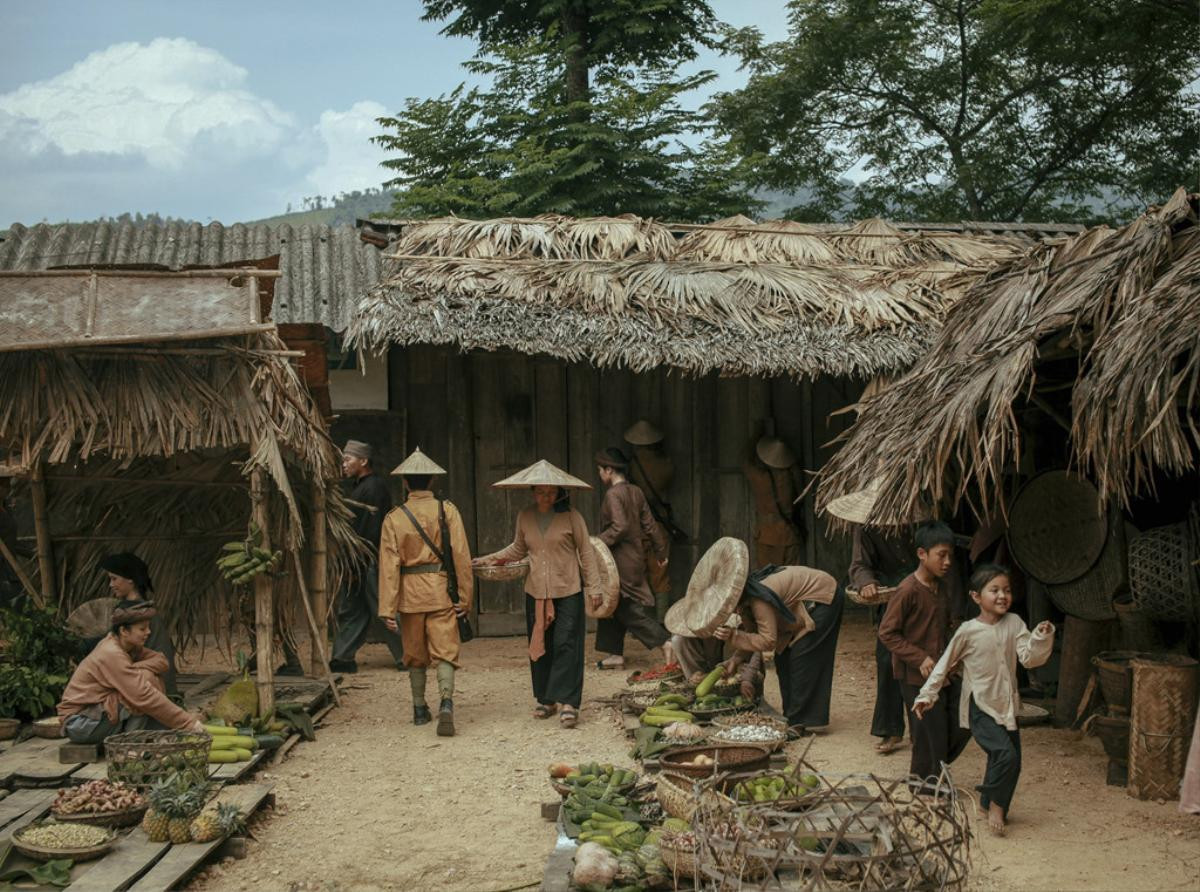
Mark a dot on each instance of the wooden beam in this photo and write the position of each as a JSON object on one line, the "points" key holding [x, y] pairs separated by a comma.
{"points": [[21, 574], [141, 481], [318, 642], [226, 273], [318, 572], [41, 528], [264, 598]]}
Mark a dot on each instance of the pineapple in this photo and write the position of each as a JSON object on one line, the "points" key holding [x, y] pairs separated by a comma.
{"points": [[156, 821], [183, 807], [216, 824]]}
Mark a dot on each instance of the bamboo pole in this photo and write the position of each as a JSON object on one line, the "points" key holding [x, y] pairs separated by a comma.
{"points": [[26, 582], [264, 599], [41, 527], [318, 640], [318, 576]]}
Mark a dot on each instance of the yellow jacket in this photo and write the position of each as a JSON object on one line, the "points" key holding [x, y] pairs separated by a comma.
{"points": [[400, 545]]}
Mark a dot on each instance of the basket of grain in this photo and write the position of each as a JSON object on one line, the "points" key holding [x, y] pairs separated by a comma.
{"points": [[51, 841]]}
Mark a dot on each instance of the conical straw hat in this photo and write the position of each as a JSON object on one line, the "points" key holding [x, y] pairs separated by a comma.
{"points": [[418, 464], [713, 591], [93, 618], [774, 453], [541, 473], [643, 433], [610, 581], [855, 507]]}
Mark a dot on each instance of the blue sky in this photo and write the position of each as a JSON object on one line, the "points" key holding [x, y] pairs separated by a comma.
{"points": [[220, 110]]}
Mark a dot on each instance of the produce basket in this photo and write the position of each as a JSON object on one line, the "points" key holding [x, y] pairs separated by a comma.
{"points": [[709, 715], [772, 736], [679, 858], [502, 572], [651, 678], [750, 718], [49, 728], [636, 702], [9, 728], [141, 758], [125, 818], [678, 796], [724, 758], [800, 785], [1116, 675], [883, 594], [45, 853]]}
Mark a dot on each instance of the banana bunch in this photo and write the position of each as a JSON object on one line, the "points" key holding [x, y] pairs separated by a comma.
{"points": [[242, 561]]}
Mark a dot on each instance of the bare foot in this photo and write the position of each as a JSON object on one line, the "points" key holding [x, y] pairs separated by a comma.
{"points": [[995, 819]]}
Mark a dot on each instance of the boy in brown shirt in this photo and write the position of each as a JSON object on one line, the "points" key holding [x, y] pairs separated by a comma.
{"points": [[915, 628]]}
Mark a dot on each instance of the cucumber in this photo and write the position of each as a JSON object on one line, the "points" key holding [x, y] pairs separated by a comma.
{"points": [[243, 755], [710, 681], [611, 810], [268, 741], [215, 756], [218, 729]]}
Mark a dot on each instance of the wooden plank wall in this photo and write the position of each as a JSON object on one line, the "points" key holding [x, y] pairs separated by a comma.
{"points": [[485, 415]]}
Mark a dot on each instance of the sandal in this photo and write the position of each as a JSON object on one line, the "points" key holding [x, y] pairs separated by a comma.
{"points": [[889, 745], [569, 717], [544, 710], [601, 664]]}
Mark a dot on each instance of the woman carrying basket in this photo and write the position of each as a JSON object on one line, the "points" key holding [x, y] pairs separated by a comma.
{"points": [[562, 568]]}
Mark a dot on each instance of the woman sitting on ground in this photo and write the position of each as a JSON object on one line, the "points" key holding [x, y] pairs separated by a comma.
{"points": [[119, 687], [129, 582]]}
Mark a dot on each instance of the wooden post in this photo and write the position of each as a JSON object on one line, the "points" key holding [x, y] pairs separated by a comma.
{"points": [[26, 582], [318, 578], [41, 528], [318, 640], [264, 598]]}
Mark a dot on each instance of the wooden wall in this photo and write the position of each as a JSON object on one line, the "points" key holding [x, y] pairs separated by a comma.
{"points": [[483, 416]]}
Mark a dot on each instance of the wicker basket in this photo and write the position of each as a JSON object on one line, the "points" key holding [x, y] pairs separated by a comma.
{"points": [[681, 862], [1091, 595], [883, 594], [771, 745], [141, 758], [679, 799], [1161, 577], [1113, 731], [9, 728], [1160, 726], [502, 572], [124, 818], [725, 758], [1116, 676], [41, 853], [1056, 530], [49, 728]]}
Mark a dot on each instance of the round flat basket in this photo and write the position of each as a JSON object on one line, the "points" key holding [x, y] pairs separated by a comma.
{"points": [[125, 818], [502, 572], [883, 594], [610, 582], [9, 728], [49, 728], [45, 853], [724, 758], [1057, 528], [1161, 577], [1091, 596], [644, 681], [141, 758], [1030, 714]]}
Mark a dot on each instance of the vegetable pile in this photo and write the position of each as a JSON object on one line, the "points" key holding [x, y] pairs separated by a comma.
{"points": [[771, 789], [239, 744], [96, 797], [667, 710]]}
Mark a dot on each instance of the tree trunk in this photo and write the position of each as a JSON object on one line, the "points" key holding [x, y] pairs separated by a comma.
{"points": [[575, 40]]}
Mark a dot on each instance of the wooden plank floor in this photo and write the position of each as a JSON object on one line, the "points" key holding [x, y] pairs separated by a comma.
{"points": [[34, 762], [182, 860]]}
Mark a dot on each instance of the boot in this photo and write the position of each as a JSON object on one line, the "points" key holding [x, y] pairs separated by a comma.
{"points": [[445, 727], [422, 715]]}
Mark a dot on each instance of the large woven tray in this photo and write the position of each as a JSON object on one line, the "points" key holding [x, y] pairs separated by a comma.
{"points": [[1057, 528], [41, 853], [502, 572], [739, 756], [126, 817]]}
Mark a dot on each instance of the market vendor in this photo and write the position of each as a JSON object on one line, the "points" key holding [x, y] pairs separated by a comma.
{"points": [[119, 685], [129, 581], [562, 572]]}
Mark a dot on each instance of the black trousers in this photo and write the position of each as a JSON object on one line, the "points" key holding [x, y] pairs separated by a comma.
{"points": [[358, 610], [638, 620], [937, 737], [888, 718], [1003, 748], [805, 668], [558, 674]]}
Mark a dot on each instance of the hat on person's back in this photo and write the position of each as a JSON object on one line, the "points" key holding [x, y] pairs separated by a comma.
{"points": [[132, 612], [612, 457], [774, 453], [358, 449], [128, 566], [713, 591]]}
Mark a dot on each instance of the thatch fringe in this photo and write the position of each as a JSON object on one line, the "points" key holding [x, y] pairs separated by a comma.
{"points": [[1127, 301], [124, 422]]}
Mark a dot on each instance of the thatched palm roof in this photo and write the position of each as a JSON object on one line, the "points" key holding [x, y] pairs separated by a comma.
{"points": [[739, 297], [146, 447], [1124, 303]]}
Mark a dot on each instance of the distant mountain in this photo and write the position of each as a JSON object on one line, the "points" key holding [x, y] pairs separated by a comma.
{"points": [[340, 209]]}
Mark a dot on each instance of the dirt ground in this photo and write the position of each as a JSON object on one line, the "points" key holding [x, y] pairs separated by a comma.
{"points": [[378, 804]]}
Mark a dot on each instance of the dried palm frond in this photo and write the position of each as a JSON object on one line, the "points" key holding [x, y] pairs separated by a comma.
{"points": [[1126, 301]]}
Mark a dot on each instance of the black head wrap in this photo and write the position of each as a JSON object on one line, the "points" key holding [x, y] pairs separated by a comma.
{"points": [[131, 567]]}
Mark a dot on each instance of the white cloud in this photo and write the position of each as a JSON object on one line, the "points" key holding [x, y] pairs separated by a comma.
{"points": [[159, 100], [352, 160]]}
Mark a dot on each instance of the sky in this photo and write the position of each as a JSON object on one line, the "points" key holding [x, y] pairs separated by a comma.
{"points": [[220, 110]]}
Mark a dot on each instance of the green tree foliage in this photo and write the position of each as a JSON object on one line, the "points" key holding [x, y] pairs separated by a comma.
{"points": [[521, 147], [981, 109]]}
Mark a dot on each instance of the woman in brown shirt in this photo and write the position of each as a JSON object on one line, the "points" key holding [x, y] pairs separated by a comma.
{"points": [[562, 567]]}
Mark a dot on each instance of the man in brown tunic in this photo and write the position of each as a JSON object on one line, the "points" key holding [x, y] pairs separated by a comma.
{"points": [[775, 483], [652, 471], [626, 525], [413, 586]]}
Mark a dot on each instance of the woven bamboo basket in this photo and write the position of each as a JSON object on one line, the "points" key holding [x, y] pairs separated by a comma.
{"points": [[740, 757], [142, 758], [1091, 595], [9, 728], [48, 728], [1160, 726], [680, 861], [1056, 532], [678, 796], [43, 853], [1161, 577], [1116, 675], [883, 594], [125, 818], [1113, 731], [502, 572]]}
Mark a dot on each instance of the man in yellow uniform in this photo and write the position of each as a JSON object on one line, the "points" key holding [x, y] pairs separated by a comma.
{"points": [[415, 568]]}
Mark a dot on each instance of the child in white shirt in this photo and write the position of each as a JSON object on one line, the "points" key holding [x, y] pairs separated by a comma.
{"points": [[987, 648]]}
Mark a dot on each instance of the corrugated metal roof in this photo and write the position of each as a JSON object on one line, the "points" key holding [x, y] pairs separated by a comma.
{"points": [[326, 269]]}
